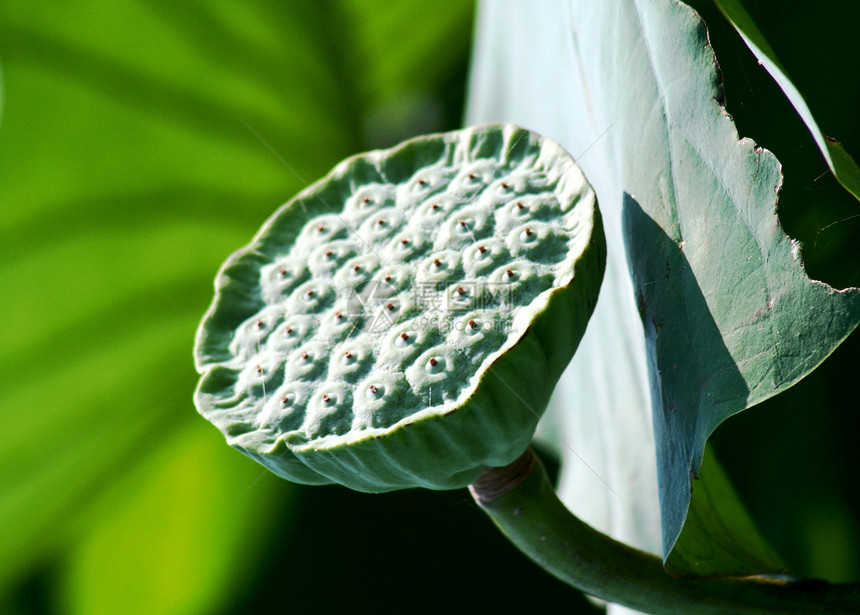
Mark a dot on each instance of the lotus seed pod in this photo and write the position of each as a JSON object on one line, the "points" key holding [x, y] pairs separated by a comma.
{"points": [[403, 321]]}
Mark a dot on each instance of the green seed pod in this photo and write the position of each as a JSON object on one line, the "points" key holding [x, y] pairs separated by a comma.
{"points": [[403, 321]]}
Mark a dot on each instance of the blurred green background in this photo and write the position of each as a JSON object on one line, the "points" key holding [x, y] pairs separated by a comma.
{"points": [[141, 142]]}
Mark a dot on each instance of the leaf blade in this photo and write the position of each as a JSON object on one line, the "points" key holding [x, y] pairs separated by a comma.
{"points": [[641, 82], [140, 145]]}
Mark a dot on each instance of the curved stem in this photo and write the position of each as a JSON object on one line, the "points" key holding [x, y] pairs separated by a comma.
{"points": [[523, 504]]}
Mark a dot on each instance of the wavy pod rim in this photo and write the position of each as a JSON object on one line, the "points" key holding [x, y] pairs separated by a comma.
{"points": [[493, 417]]}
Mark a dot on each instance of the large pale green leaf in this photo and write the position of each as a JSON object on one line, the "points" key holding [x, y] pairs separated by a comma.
{"points": [[728, 315], [139, 146]]}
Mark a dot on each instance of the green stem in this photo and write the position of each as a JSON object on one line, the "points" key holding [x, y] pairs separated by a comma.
{"points": [[523, 504]]}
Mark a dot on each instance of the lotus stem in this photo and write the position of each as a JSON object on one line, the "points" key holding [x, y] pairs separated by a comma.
{"points": [[522, 502]]}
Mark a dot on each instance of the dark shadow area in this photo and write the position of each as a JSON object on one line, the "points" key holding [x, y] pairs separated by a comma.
{"points": [[695, 383], [790, 459], [411, 552], [33, 595]]}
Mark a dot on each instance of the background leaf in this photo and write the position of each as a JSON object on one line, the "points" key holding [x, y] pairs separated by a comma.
{"points": [[171, 532], [125, 182], [636, 89]]}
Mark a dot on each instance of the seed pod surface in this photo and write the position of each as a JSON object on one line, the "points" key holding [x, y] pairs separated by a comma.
{"points": [[403, 321]]}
